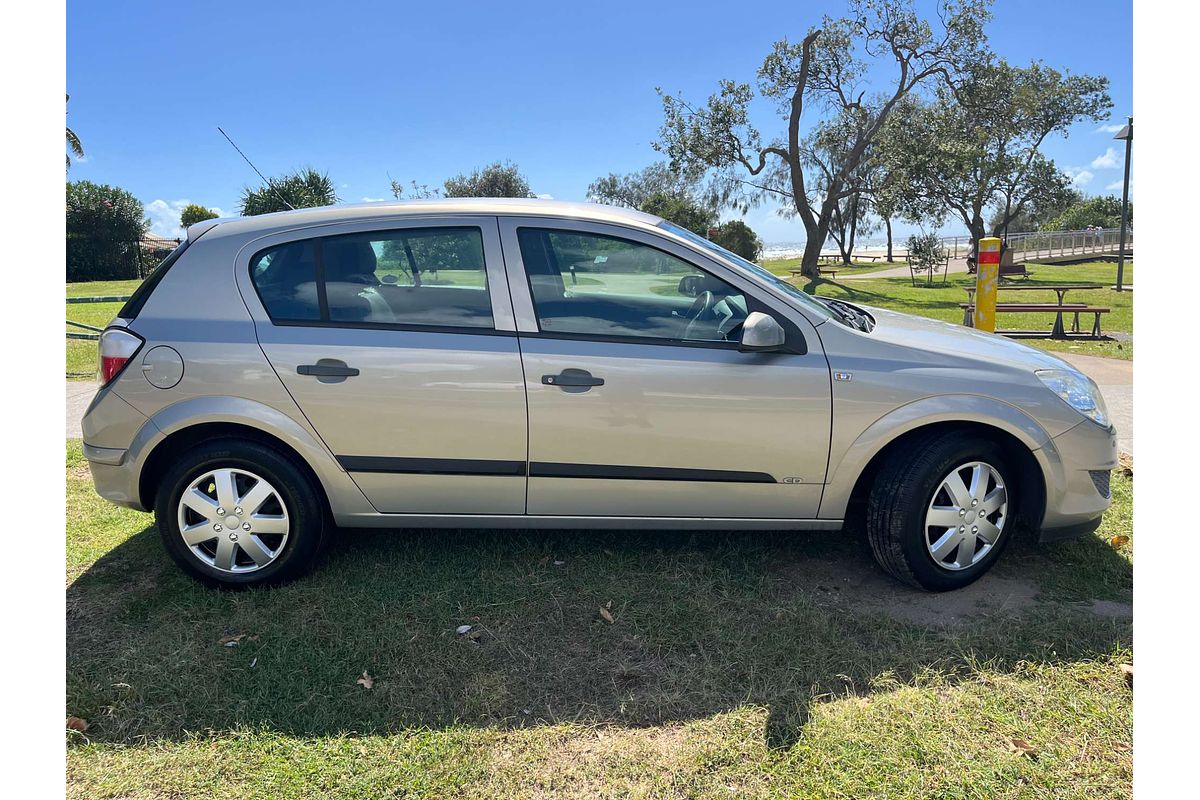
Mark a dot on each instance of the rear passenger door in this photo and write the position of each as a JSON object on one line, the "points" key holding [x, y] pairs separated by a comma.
{"points": [[397, 342]]}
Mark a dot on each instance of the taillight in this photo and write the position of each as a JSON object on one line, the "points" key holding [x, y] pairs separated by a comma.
{"points": [[117, 346]]}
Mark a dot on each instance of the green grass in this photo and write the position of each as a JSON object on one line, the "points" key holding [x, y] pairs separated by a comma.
{"points": [[81, 353], [740, 664], [942, 302]]}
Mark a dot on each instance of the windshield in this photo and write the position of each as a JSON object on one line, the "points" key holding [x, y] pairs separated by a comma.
{"points": [[765, 275]]}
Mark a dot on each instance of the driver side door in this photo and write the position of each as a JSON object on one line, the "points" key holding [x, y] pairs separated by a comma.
{"points": [[640, 402]]}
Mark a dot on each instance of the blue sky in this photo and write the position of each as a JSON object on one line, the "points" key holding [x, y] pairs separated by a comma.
{"points": [[424, 91]]}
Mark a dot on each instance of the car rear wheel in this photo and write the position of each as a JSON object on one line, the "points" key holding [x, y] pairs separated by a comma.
{"points": [[940, 513], [238, 513]]}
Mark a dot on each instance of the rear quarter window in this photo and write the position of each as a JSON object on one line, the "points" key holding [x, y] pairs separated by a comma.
{"points": [[133, 306]]}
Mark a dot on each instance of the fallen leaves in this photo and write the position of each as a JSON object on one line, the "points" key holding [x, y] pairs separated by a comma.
{"points": [[1022, 747], [1127, 671], [605, 614], [1120, 540], [366, 681], [234, 639], [1126, 464], [470, 633], [77, 724]]}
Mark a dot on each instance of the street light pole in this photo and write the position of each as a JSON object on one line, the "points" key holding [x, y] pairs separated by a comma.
{"points": [[1125, 133]]}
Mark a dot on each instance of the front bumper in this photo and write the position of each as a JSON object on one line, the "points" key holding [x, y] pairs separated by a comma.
{"points": [[1077, 489]]}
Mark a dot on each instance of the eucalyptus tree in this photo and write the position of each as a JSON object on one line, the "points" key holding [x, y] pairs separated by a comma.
{"points": [[836, 70], [978, 148]]}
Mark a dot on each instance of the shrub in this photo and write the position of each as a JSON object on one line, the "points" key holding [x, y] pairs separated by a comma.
{"points": [[105, 226], [194, 213], [925, 251]]}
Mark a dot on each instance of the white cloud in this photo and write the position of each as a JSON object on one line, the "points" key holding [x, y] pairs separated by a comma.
{"points": [[1107, 160], [545, 197], [164, 217], [1079, 177], [1113, 128], [345, 186], [373, 199]]}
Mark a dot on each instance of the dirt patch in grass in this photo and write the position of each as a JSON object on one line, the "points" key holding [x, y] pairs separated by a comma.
{"points": [[860, 586]]}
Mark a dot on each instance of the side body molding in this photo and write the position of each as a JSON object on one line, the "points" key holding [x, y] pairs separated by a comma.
{"points": [[847, 466], [344, 495]]}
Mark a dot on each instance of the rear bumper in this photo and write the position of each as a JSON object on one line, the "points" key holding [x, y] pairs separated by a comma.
{"points": [[115, 482]]}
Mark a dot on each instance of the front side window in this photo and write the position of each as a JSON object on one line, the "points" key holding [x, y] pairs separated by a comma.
{"points": [[591, 284], [429, 277]]}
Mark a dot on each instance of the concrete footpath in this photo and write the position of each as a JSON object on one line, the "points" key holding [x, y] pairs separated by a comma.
{"points": [[79, 394], [1113, 376], [957, 265], [1115, 379]]}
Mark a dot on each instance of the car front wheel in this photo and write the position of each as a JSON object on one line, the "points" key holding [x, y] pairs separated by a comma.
{"points": [[237, 513], [939, 517]]}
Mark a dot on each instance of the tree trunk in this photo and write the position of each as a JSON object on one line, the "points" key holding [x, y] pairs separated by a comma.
{"points": [[887, 221], [810, 263], [848, 255], [978, 231]]}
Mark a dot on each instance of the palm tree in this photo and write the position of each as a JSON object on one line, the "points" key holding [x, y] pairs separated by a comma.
{"points": [[73, 143]]}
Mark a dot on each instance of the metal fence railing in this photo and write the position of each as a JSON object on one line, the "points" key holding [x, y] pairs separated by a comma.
{"points": [[1027, 245], [1067, 243], [96, 258], [93, 333]]}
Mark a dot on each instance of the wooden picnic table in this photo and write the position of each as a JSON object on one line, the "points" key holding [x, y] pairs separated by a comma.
{"points": [[796, 273], [1060, 289]]}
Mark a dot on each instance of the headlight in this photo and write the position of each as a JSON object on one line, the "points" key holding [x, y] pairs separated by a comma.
{"points": [[1078, 391]]}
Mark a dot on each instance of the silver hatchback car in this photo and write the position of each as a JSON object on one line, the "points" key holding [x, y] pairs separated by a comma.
{"points": [[530, 363]]}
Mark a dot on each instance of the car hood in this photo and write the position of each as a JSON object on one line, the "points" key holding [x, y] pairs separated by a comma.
{"points": [[952, 341]]}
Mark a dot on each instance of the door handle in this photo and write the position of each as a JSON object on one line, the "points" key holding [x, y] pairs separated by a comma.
{"points": [[573, 379], [327, 368]]}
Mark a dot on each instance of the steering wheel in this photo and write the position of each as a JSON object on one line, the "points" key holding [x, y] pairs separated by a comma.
{"points": [[701, 311]]}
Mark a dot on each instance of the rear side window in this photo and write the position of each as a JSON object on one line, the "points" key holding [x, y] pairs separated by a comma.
{"points": [[430, 277], [133, 306], [286, 279]]}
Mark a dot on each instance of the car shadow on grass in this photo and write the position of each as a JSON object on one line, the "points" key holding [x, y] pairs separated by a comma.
{"points": [[701, 623]]}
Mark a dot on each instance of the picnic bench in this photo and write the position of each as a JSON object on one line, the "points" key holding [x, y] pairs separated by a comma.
{"points": [[1007, 268], [1058, 332], [822, 272], [1059, 308]]}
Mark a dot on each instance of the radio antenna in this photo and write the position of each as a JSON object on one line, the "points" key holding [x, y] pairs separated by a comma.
{"points": [[266, 180]]}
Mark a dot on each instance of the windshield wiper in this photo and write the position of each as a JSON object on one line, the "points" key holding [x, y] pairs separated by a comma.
{"points": [[851, 315]]}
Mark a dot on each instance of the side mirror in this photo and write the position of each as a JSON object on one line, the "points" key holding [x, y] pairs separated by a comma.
{"points": [[761, 333]]}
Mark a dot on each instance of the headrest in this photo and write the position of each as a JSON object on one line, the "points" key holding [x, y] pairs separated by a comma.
{"points": [[348, 260]]}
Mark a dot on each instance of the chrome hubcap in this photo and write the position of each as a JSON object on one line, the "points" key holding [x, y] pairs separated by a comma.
{"points": [[233, 520], [966, 515]]}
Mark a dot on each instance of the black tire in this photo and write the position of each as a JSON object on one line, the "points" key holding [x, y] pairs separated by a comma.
{"points": [[902, 492], [306, 516]]}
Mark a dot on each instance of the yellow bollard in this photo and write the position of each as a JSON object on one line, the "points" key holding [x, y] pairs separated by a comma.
{"points": [[987, 275]]}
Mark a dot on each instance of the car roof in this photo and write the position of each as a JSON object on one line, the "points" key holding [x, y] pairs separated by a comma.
{"points": [[358, 212]]}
